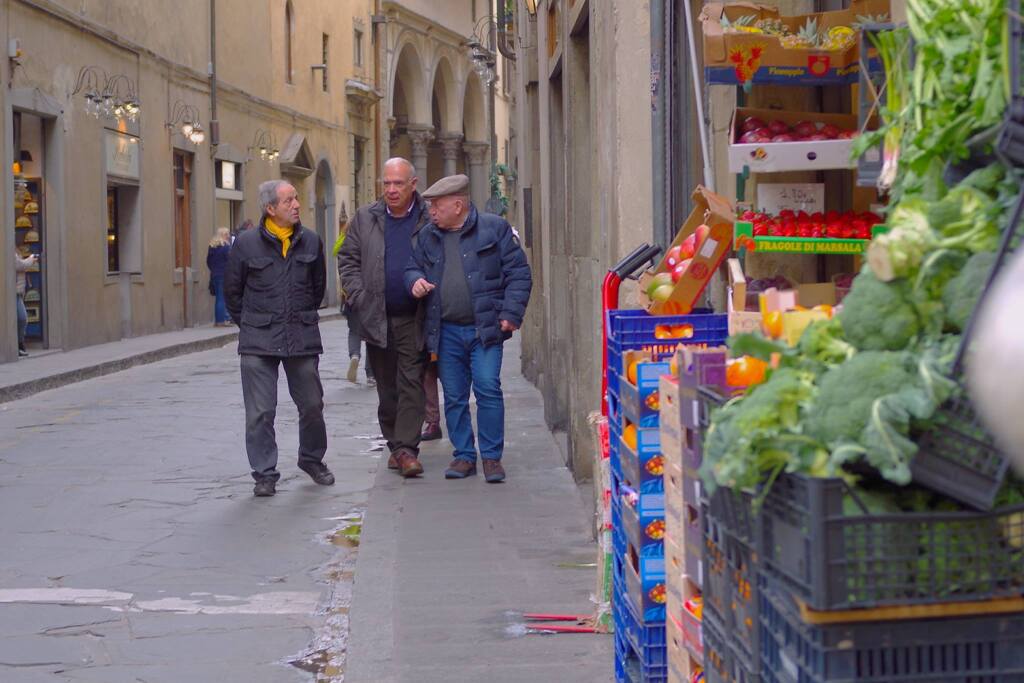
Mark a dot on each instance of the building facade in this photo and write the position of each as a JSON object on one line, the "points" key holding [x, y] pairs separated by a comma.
{"points": [[439, 106], [127, 205]]}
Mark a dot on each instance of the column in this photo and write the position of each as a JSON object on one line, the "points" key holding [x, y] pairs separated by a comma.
{"points": [[479, 181], [451, 147], [420, 136]]}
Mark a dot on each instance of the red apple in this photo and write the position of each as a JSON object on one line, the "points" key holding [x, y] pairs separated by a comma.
{"points": [[672, 258], [701, 232], [783, 137], [778, 127], [752, 123], [804, 129], [847, 134], [680, 268], [688, 247], [829, 131], [818, 137]]}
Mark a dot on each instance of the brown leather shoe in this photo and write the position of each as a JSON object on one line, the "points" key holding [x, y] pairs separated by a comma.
{"points": [[460, 469], [409, 464], [393, 462], [493, 471]]}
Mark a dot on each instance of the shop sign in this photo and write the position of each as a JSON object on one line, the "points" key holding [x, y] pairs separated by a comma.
{"points": [[122, 155]]}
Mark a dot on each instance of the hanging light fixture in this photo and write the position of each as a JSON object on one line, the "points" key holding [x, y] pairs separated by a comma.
{"points": [[105, 95], [264, 143], [187, 116]]}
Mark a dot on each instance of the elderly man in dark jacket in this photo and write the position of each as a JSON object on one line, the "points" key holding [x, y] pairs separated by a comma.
{"points": [[371, 265], [274, 283], [477, 282]]}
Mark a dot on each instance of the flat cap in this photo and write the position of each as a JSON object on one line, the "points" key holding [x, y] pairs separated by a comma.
{"points": [[453, 184]]}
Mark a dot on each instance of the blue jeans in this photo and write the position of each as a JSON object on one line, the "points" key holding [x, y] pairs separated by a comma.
{"points": [[22, 319], [220, 309], [463, 362]]}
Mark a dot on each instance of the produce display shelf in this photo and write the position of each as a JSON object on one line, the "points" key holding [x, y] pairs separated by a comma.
{"points": [[744, 239]]}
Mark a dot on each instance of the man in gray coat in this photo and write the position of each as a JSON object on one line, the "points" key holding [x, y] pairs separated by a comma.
{"points": [[274, 282], [371, 265]]}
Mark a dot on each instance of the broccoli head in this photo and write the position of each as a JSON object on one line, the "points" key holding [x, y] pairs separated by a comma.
{"points": [[879, 316], [846, 393], [961, 294]]}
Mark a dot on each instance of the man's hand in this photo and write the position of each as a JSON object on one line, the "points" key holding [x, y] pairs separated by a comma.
{"points": [[506, 326], [421, 288]]}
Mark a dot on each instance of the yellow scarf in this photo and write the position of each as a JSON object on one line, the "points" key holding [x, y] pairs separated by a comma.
{"points": [[283, 234]]}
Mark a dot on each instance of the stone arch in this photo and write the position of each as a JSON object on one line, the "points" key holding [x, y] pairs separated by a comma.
{"points": [[474, 110], [324, 216], [445, 95], [408, 87]]}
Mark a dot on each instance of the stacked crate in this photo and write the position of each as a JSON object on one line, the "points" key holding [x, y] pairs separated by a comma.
{"points": [[638, 493]]}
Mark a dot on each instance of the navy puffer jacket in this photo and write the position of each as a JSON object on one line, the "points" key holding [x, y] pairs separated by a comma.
{"points": [[496, 269]]}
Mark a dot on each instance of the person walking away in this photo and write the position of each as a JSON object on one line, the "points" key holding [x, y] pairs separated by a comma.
{"points": [[355, 339], [371, 267], [476, 280], [275, 280], [22, 266], [217, 262]]}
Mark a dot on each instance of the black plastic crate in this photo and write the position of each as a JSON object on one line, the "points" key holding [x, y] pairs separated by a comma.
{"points": [[987, 649], [834, 558], [721, 665], [729, 567], [958, 457]]}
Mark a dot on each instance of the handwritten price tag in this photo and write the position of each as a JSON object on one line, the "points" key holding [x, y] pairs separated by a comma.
{"points": [[775, 197]]}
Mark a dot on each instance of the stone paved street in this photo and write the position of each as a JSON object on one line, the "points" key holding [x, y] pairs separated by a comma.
{"points": [[133, 549]]}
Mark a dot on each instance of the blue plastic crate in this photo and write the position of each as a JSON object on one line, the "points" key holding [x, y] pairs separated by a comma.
{"points": [[630, 329], [647, 641], [979, 649], [629, 669], [640, 402]]}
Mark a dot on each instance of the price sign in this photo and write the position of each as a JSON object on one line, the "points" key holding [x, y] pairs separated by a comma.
{"points": [[775, 197]]}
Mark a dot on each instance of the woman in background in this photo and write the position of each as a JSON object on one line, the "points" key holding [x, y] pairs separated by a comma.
{"points": [[217, 261]]}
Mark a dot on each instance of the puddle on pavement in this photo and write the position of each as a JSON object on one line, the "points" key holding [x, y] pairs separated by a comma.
{"points": [[347, 537], [325, 656]]}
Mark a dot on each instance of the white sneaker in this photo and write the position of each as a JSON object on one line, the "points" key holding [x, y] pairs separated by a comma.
{"points": [[371, 382], [353, 369]]}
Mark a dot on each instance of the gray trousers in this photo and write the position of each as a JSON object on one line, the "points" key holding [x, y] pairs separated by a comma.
{"points": [[259, 391]]}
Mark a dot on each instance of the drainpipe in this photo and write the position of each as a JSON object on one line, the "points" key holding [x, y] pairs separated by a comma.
{"points": [[659, 121], [214, 123], [377, 24]]}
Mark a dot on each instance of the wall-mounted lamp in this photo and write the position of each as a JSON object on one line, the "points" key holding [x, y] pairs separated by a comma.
{"points": [[265, 143], [107, 95], [187, 116]]}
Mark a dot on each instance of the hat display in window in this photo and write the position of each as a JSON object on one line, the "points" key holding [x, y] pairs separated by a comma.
{"points": [[32, 236], [31, 207], [23, 222], [31, 296]]}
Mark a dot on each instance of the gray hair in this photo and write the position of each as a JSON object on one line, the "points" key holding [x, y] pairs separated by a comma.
{"points": [[268, 193], [402, 160]]}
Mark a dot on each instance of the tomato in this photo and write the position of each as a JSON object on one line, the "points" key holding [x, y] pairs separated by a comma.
{"points": [[772, 324], [629, 436], [745, 371]]}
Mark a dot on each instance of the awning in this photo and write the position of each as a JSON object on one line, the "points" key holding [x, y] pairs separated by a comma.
{"points": [[296, 159]]}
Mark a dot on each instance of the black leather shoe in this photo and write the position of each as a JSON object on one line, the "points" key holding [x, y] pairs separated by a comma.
{"points": [[431, 432], [318, 472], [264, 487]]}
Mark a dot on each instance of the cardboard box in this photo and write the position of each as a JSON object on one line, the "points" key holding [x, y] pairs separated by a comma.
{"points": [[670, 421], [693, 534], [645, 465], [770, 157], [675, 509], [645, 581], [717, 213], [740, 320], [740, 58]]}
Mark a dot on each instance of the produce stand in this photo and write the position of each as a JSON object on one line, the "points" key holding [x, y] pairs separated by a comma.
{"points": [[813, 498]]}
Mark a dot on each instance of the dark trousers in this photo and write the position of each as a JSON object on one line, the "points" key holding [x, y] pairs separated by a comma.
{"points": [[398, 370], [259, 391], [432, 411]]}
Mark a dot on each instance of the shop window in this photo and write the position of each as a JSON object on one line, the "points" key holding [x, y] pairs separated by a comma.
{"points": [[324, 44], [228, 175], [113, 230], [289, 31]]}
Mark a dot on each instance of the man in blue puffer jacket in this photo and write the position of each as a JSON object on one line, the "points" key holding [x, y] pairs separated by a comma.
{"points": [[477, 282]]}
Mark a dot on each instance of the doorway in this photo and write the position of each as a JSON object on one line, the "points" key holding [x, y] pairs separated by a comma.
{"points": [[183, 228], [324, 211]]}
